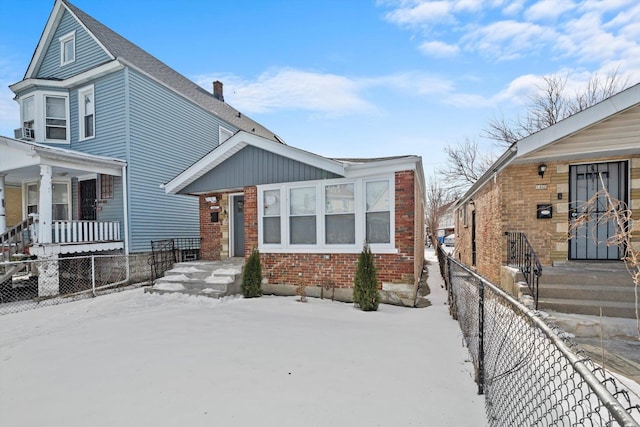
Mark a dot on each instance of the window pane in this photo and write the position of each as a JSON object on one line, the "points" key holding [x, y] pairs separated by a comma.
{"points": [[88, 103], [69, 50], [271, 229], [28, 112], [60, 213], [340, 229], [59, 193], [88, 126], [303, 201], [378, 227], [303, 230], [56, 108], [271, 202], [340, 198], [56, 133], [378, 196]]}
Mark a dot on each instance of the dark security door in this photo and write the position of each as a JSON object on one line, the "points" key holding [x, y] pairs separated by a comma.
{"points": [[589, 240], [473, 237], [87, 192], [238, 226]]}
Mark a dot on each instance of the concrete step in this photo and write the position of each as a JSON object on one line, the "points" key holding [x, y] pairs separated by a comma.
{"points": [[213, 294], [589, 307], [587, 292], [587, 276], [210, 278]]}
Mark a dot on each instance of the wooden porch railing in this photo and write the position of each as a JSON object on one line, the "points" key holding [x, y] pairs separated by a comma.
{"points": [[16, 239], [79, 231]]}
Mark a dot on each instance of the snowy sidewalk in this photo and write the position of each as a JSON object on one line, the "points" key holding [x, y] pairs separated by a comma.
{"points": [[131, 358]]}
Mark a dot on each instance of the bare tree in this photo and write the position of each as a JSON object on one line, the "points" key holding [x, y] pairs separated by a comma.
{"points": [[615, 212], [438, 197], [551, 103], [465, 164]]}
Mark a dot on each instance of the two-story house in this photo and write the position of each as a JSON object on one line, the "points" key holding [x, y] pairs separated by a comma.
{"points": [[102, 125]]}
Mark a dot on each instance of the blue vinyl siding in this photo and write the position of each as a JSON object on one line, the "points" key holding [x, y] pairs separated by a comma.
{"points": [[110, 116], [254, 166], [89, 54], [112, 209], [167, 135]]}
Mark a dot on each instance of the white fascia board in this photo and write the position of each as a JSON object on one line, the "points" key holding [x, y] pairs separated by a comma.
{"points": [[237, 142], [80, 79], [579, 121], [356, 170]]}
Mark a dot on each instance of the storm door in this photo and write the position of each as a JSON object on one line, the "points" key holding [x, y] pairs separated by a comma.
{"points": [[87, 192], [589, 239], [238, 226]]}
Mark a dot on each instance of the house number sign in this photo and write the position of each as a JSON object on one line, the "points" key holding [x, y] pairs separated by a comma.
{"points": [[541, 186]]}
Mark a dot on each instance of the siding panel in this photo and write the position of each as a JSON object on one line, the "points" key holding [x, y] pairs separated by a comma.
{"points": [[88, 53], [253, 166]]}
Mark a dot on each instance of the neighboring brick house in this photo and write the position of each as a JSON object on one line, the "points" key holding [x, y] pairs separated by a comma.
{"points": [[540, 184], [310, 216]]}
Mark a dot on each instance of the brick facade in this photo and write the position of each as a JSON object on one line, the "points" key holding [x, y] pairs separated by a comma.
{"points": [[334, 269], [508, 203]]}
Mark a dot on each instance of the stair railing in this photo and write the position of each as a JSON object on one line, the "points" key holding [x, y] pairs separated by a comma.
{"points": [[521, 255], [16, 239]]}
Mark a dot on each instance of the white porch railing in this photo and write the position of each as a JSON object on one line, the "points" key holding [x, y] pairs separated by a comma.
{"points": [[85, 231]]}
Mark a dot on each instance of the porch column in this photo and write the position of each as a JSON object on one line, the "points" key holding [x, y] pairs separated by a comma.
{"points": [[45, 205], [3, 209]]}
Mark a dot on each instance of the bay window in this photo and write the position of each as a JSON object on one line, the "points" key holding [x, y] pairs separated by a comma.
{"points": [[55, 118], [28, 113]]}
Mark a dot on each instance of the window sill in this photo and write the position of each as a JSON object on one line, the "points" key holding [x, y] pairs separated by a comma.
{"points": [[325, 250]]}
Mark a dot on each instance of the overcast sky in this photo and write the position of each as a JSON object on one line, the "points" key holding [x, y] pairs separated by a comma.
{"points": [[358, 78]]}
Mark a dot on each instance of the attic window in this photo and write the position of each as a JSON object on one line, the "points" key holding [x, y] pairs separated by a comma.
{"points": [[68, 48]]}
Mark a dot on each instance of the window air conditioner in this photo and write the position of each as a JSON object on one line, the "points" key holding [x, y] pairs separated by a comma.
{"points": [[24, 134]]}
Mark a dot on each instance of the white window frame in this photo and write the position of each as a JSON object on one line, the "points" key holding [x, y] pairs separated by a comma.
{"points": [[69, 37], [82, 112], [321, 247], [43, 109], [23, 120], [223, 134], [25, 197]]}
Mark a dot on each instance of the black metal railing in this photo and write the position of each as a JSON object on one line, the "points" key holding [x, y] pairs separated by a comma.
{"points": [[165, 253], [521, 255]]}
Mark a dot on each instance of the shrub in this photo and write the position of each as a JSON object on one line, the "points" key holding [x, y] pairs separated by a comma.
{"points": [[252, 277], [365, 283]]}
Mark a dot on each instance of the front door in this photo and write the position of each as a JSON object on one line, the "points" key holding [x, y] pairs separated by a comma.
{"points": [[589, 239], [238, 225], [87, 193]]}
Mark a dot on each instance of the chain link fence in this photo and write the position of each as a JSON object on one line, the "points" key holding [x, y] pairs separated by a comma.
{"points": [[29, 284], [530, 372]]}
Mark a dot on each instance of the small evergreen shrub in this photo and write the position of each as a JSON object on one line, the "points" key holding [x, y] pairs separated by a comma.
{"points": [[365, 283], [252, 277]]}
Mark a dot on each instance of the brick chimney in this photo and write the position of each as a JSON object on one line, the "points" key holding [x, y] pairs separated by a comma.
{"points": [[217, 90]]}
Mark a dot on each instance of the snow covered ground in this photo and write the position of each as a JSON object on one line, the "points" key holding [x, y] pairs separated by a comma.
{"points": [[134, 359]]}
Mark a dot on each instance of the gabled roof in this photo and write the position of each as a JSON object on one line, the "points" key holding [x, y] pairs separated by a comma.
{"points": [[236, 143], [122, 50], [548, 142]]}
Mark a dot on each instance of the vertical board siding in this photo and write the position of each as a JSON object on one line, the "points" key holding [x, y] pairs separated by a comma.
{"points": [[88, 53], [254, 166], [167, 135]]}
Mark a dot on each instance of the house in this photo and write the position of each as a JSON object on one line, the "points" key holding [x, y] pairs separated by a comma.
{"points": [[541, 185], [446, 224], [102, 125], [310, 216]]}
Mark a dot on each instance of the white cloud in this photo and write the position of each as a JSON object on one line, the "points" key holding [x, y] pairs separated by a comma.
{"points": [[439, 49], [505, 40], [420, 13], [548, 9]]}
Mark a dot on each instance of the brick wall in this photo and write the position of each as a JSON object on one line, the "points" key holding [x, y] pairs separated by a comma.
{"points": [[211, 232], [509, 203]]}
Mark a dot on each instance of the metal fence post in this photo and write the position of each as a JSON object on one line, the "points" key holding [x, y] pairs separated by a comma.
{"points": [[93, 275], [480, 337]]}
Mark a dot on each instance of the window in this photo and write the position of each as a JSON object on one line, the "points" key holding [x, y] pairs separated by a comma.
{"points": [[28, 112], [56, 118], [378, 221], [60, 201], [106, 186], [32, 198], [302, 216], [271, 217], [68, 48], [340, 225], [87, 113]]}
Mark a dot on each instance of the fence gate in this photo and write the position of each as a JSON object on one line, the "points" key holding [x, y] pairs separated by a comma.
{"points": [[163, 256]]}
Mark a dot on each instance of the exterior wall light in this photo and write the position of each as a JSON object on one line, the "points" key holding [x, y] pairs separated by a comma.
{"points": [[542, 168]]}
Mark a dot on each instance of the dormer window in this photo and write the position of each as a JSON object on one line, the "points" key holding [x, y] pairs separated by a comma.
{"points": [[68, 48]]}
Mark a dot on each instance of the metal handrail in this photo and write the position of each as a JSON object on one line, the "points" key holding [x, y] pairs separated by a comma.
{"points": [[521, 255]]}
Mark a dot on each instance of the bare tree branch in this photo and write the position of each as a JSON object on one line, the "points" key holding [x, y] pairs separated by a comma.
{"points": [[465, 164]]}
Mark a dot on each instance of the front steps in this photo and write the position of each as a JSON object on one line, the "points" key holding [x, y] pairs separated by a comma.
{"points": [[213, 279], [587, 288]]}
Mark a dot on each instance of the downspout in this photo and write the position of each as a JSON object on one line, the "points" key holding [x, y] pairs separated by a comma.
{"points": [[125, 208]]}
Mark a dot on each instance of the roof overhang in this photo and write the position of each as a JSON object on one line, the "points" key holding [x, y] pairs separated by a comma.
{"points": [[236, 143]]}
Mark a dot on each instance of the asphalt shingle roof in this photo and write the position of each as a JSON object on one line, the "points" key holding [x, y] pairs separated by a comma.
{"points": [[121, 48]]}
